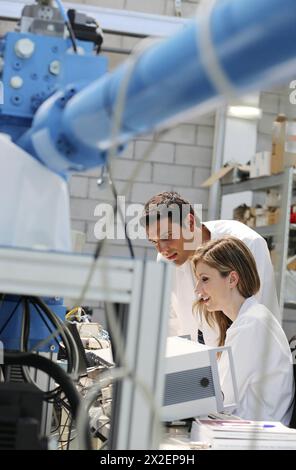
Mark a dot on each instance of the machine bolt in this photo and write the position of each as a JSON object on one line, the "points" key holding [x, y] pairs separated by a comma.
{"points": [[24, 48], [55, 67], [16, 82]]}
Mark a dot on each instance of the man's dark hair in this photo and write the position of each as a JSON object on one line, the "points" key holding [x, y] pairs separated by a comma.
{"points": [[168, 204]]}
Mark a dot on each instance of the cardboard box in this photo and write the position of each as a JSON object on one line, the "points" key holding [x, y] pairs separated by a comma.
{"points": [[273, 216], [261, 219], [273, 198], [291, 263], [283, 144], [260, 164], [228, 174]]}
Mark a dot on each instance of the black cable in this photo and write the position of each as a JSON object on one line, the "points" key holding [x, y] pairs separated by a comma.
{"points": [[61, 432], [26, 315], [115, 195], [69, 433], [40, 313], [50, 368], [72, 36], [64, 332], [68, 24], [11, 315]]}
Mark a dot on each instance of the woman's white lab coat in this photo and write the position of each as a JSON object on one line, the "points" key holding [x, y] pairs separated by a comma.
{"points": [[263, 365]]}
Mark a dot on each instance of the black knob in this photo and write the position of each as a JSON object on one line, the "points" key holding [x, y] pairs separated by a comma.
{"points": [[204, 382]]}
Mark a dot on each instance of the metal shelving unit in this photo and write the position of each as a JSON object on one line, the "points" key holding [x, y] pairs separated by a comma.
{"points": [[280, 231], [124, 281]]}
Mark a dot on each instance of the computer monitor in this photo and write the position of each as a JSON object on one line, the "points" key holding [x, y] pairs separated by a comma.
{"points": [[192, 385]]}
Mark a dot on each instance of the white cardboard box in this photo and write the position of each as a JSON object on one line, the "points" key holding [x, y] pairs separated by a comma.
{"points": [[260, 164]]}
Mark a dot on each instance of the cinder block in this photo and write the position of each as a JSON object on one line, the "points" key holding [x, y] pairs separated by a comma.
{"points": [[128, 151], [141, 192], [200, 175], [205, 136], [103, 192], [193, 155], [182, 134], [204, 120], [78, 225], [82, 209], [115, 232], [122, 169], [162, 152], [172, 174], [194, 196], [78, 186]]}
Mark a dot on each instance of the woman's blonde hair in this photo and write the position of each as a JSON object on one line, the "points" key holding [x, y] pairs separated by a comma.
{"points": [[227, 254]]}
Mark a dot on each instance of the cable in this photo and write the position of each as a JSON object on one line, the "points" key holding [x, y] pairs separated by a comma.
{"points": [[118, 208], [66, 335], [10, 316], [50, 368], [54, 334], [68, 24], [45, 322], [106, 378], [74, 311]]}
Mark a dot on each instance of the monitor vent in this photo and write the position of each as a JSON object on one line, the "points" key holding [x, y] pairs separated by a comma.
{"points": [[188, 385]]}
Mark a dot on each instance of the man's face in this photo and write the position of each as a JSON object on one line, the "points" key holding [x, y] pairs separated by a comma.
{"points": [[171, 240]]}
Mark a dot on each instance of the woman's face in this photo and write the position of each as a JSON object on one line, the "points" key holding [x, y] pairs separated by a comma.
{"points": [[212, 289]]}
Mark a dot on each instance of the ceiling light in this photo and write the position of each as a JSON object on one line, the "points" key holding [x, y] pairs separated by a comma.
{"points": [[244, 112]]}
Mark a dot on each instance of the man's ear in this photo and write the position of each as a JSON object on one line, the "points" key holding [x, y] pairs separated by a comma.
{"points": [[191, 222]]}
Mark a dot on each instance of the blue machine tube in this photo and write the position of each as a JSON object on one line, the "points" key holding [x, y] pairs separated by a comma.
{"points": [[255, 44]]}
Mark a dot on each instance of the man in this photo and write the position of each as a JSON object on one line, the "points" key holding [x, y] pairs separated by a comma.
{"points": [[175, 231]]}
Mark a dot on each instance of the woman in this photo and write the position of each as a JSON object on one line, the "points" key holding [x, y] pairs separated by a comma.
{"points": [[227, 280]]}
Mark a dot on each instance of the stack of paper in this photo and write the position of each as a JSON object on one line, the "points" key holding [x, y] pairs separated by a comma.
{"points": [[243, 434]]}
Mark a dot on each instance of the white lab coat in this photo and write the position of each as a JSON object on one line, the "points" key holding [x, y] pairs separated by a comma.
{"points": [[182, 320], [263, 366]]}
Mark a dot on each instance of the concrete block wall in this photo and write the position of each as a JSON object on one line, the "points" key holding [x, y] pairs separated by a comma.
{"points": [[166, 169]]}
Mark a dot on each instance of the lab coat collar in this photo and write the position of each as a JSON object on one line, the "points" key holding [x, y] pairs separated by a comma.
{"points": [[249, 302]]}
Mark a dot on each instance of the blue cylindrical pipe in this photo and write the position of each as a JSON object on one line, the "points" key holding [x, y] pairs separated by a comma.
{"points": [[255, 44], [255, 41]]}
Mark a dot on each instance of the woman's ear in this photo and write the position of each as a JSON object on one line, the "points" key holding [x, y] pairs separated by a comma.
{"points": [[233, 279]]}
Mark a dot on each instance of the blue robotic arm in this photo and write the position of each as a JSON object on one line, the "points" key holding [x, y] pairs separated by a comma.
{"points": [[241, 46]]}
